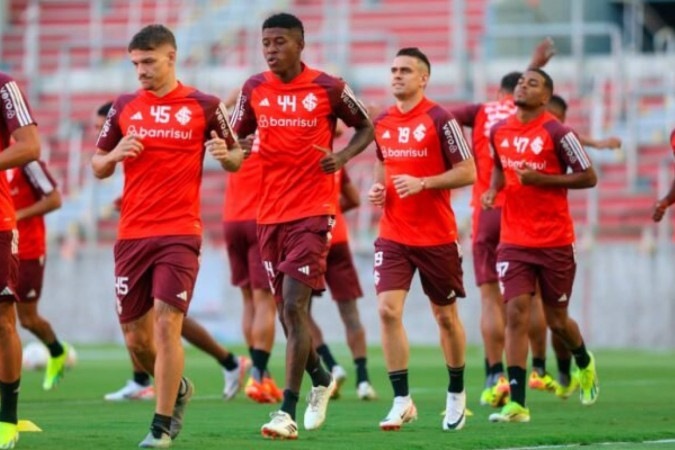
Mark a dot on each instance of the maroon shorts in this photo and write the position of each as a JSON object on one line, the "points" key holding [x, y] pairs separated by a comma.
{"points": [[31, 275], [297, 249], [440, 269], [163, 267], [246, 267], [9, 265], [341, 276], [487, 224], [520, 268]]}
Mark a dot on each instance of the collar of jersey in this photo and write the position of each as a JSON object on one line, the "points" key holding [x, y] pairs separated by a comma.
{"points": [[422, 106], [304, 76], [178, 91]]}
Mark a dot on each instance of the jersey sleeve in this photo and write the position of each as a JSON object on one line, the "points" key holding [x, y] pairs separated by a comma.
{"points": [[16, 112], [346, 106], [567, 146], [111, 133], [672, 140], [243, 121], [454, 147], [217, 119], [39, 178], [466, 115]]}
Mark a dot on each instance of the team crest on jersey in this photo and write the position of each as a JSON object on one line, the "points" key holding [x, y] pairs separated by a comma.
{"points": [[537, 145], [310, 102], [420, 132], [184, 115]]}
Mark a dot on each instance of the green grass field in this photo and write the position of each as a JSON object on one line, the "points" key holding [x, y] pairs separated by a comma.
{"points": [[636, 404]]}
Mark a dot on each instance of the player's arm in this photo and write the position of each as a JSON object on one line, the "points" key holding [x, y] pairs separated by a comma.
{"points": [[363, 135], [24, 149], [662, 205], [462, 174], [103, 163], [542, 53], [349, 195], [377, 190], [228, 153], [46, 204], [572, 152], [611, 142], [497, 179]]}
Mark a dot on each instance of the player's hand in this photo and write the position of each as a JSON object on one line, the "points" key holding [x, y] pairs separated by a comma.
{"points": [[246, 145], [407, 185], [376, 194], [488, 198], [611, 142], [543, 52], [527, 176], [230, 159], [331, 162], [659, 210], [129, 146]]}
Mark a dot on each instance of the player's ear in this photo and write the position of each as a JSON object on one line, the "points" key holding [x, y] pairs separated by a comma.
{"points": [[172, 57]]}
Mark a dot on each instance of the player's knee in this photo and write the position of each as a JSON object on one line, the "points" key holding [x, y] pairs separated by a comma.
{"points": [[293, 312], [389, 313], [7, 326]]}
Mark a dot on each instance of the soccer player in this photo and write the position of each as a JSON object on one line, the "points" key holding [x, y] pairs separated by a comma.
{"points": [[294, 108], [662, 205], [19, 145], [558, 107], [486, 224], [422, 156], [343, 281], [160, 135], [248, 273], [533, 152], [140, 387], [34, 193]]}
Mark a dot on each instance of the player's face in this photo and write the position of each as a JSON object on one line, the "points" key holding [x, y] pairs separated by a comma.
{"points": [[154, 68], [557, 111], [530, 91], [98, 123], [282, 49], [408, 77]]}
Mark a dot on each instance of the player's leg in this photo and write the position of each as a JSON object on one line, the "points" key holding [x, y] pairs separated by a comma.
{"points": [[556, 286], [247, 316], [261, 386], [139, 387], [492, 318], [518, 279], [345, 288], [356, 340], [440, 269], [567, 383], [539, 379], [323, 350], [10, 344], [304, 246], [234, 369], [393, 273], [29, 289]]}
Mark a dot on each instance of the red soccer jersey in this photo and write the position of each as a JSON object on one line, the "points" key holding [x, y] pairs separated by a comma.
{"points": [[161, 186], [14, 114], [340, 232], [672, 140], [291, 118], [423, 142], [535, 216], [481, 118], [243, 188], [28, 184]]}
